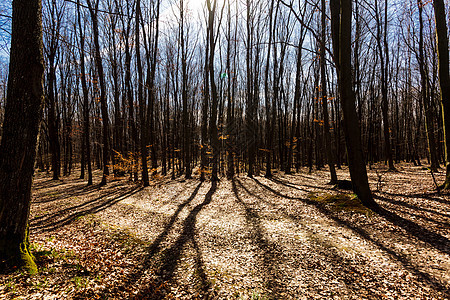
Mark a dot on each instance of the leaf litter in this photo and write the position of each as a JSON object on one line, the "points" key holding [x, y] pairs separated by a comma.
{"points": [[288, 237]]}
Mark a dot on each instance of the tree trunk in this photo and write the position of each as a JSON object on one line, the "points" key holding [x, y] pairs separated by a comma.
{"points": [[352, 132], [23, 113], [86, 134], [214, 97], [142, 110], [324, 96], [103, 102], [429, 126], [184, 97], [444, 80]]}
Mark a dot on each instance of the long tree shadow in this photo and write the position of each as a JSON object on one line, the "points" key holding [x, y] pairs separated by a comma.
{"points": [[344, 266], [423, 217], [171, 256], [46, 217], [66, 216], [411, 206], [155, 288], [438, 241], [286, 214], [74, 190], [269, 251], [406, 263], [155, 246], [286, 184], [47, 183], [427, 196]]}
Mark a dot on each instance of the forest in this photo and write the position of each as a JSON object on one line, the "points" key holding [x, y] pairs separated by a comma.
{"points": [[224, 149]]}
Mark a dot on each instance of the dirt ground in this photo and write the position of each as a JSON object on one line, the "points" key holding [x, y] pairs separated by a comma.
{"points": [[241, 239]]}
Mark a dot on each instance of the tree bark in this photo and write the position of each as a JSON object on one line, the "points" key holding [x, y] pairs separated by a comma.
{"points": [[444, 80], [103, 104], [429, 126], [214, 97], [324, 96], [86, 129], [352, 134], [142, 110], [23, 113]]}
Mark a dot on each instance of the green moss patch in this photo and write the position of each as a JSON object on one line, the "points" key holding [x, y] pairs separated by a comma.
{"points": [[341, 202]]}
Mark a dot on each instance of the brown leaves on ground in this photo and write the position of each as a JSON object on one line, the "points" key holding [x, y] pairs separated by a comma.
{"points": [[289, 237]]}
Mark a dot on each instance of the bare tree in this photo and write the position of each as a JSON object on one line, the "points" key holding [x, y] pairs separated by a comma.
{"points": [[444, 80], [352, 131], [23, 113]]}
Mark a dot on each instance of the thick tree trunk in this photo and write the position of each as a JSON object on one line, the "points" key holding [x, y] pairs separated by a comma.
{"points": [[352, 132], [20, 131], [444, 80]]}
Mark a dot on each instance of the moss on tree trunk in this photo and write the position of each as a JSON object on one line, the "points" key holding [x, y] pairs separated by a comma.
{"points": [[16, 252], [23, 112]]}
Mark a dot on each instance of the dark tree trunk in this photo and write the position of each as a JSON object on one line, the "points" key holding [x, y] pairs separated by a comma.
{"points": [[214, 97], [444, 80], [142, 106], [352, 132], [20, 131], [230, 119], [429, 124], [384, 92], [324, 96], [53, 120], [184, 98], [103, 102], [205, 104], [269, 126], [86, 129]]}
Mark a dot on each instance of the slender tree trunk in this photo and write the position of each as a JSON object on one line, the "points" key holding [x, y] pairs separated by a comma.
{"points": [[250, 97], [268, 127], [324, 96], [230, 120], [103, 101], [429, 126], [205, 104], [86, 129], [142, 106], [52, 121], [214, 97], [184, 97], [384, 91]]}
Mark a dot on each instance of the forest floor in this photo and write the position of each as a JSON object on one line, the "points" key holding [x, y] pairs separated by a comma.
{"points": [[280, 238]]}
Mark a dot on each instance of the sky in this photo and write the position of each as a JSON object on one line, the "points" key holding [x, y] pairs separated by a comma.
{"points": [[5, 30]]}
